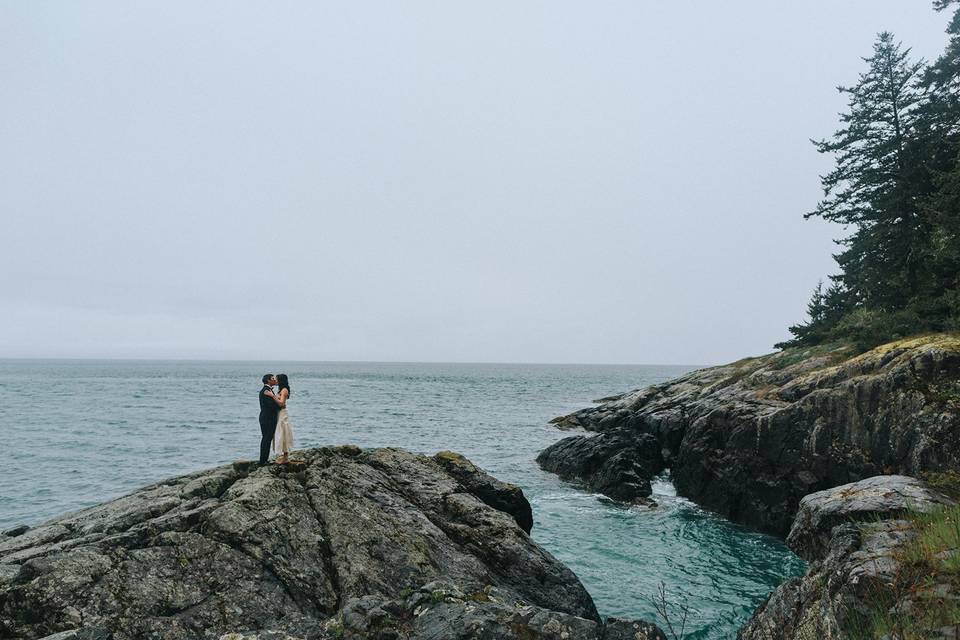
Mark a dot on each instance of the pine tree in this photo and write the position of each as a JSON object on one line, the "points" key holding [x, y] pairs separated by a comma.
{"points": [[816, 308], [874, 184], [824, 310], [943, 76], [942, 301], [942, 207], [896, 184]]}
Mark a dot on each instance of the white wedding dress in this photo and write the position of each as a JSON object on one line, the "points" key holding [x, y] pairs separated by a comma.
{"points": [[283, 437]]}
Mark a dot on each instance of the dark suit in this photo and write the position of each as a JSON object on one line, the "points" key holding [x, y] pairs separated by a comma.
{"points": [[269, 410]]}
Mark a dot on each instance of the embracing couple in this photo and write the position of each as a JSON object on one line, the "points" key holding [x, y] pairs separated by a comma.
{"points": [[275, 426]]}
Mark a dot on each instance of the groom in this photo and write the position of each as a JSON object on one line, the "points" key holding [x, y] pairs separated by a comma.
{"points": [[269, 410]]}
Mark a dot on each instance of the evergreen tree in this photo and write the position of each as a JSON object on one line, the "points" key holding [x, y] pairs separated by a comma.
{"points": [[942, 206], [876, 180], [943, 210], [816, 308], [896, 184], [824, 310], [943, 76]]}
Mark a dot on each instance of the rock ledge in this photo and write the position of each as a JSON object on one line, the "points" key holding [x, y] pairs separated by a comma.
{"points": [[343, 543], [852, 535]]}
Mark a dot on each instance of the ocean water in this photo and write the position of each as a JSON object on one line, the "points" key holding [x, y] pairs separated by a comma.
{"points": [[80, 432]]}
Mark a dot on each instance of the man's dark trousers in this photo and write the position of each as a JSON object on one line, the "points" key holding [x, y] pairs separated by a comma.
{"points": [[269, 412]]}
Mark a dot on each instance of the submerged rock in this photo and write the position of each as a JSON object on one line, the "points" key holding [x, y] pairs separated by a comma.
{"points": [[851, 535], [343, 543], [750, 439]]}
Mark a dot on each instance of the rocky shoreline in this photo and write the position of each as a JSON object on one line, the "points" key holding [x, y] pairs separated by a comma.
{"points": [[750, 439], [344, 543], [805, 443], [853, 537], [386, 544]]}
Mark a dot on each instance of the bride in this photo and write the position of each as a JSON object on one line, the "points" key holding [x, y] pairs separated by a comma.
{"points": [[283, 438]]}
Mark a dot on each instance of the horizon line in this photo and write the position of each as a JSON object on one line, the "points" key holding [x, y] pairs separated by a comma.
{"points": [[280, 360]]}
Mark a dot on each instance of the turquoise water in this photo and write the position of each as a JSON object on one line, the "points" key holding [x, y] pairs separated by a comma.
{"points": [[80, 432]]}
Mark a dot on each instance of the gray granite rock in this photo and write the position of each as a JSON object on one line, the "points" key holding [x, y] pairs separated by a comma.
{"points": [[441, 611], [623, 629], [619, 464], [88, 633], [851, 535], [502, 496], [748, 440], [341, 543], [877, 498], [13, 532]]}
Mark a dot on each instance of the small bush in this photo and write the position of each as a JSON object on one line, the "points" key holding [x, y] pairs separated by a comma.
{"points": [[867, 329], [946, 482]]}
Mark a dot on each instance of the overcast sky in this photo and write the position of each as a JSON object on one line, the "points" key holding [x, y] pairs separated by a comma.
{"points": [[609, 182]]}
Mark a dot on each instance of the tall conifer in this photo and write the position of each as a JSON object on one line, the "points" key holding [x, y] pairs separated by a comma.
{"points": [[896, 187], [873, 186]]}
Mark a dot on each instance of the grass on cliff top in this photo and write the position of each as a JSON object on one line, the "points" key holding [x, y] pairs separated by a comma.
{"points": [[845, 351], [925, 593], [948, 341], [830, 355], [849, 351]]}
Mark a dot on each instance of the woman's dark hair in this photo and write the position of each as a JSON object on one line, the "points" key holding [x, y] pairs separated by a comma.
{"points": [[282, 383]]}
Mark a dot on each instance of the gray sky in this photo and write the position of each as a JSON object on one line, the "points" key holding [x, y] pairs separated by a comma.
{"points": [[489, 181]]}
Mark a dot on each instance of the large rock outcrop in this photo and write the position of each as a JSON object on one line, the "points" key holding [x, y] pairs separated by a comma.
{"points": [[342, 543], [852, 536], [750, 439], [618, 464]]}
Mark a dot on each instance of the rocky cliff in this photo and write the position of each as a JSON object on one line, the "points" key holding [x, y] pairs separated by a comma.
{"points": [[750, 439], [868, 577], [342, 543]]}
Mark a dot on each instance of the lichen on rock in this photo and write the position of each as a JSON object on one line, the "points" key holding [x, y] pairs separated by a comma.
{"points": [[750, 439], [342, 543], [853, 536]]}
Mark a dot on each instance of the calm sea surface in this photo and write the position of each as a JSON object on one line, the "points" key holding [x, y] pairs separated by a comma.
{"points": [[79, 432]]}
